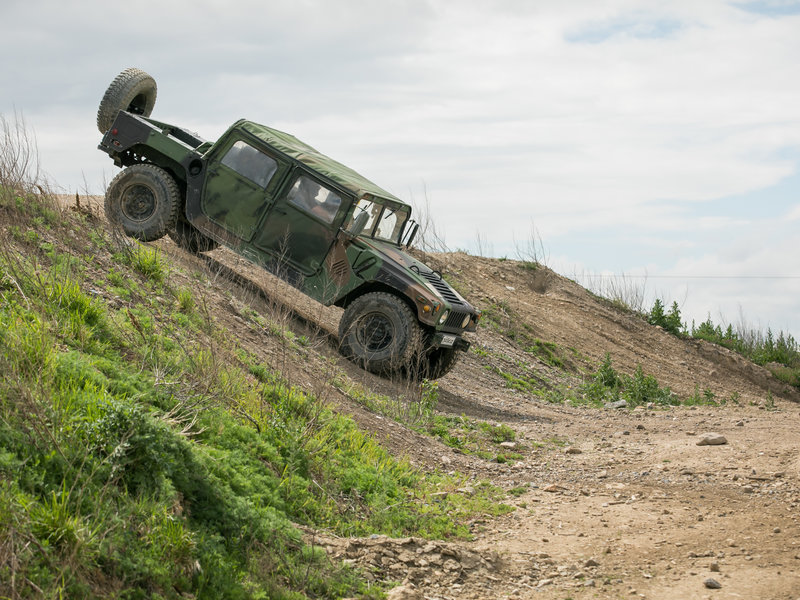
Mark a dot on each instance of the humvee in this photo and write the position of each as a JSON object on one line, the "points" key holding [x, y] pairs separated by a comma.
{"points": [[275, 200]]}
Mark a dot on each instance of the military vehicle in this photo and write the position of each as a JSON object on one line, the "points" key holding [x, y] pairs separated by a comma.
{"points": [[317, 224]]}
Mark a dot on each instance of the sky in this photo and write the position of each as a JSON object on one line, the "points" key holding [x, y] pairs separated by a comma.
{"points": [[643, 148]]}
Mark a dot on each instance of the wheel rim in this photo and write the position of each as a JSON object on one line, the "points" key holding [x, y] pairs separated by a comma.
{"points": [[375, 332], [138, 203], [138, 105]]}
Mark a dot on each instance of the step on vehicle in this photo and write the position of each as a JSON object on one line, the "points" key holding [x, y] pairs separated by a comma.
{"points": [[317, 224]]}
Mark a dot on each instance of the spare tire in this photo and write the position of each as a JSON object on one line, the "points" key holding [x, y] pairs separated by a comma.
{"points": [[133, 91]]}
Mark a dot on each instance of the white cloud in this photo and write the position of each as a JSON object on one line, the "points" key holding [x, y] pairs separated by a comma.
{"points": [[794, 214]]}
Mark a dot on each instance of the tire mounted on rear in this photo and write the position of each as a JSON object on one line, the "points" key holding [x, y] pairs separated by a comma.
{"points": [[133, 91]]}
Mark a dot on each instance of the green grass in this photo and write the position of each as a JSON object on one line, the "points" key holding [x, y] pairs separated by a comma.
{"points": [[549, 352], [606, 385], [415, 408], [145, 454], [477, 438]]}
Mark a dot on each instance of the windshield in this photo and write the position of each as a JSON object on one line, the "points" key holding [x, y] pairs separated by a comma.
{"points": [[373, 219]]}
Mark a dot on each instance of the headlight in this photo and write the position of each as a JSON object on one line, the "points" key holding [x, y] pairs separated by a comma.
{"points": [[444, 316], [465, 322]]}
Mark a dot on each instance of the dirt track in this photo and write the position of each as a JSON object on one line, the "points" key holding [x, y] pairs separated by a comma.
{"points": [[618, 504]]}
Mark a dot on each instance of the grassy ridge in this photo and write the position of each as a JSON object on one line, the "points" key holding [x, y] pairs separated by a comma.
{"points": [[145, 454], [780, 354]]}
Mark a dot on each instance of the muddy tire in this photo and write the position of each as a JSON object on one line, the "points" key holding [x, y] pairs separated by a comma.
{"points": [[379, 332], [143, 201], [439, 362], [188, 237], [133, 91]]}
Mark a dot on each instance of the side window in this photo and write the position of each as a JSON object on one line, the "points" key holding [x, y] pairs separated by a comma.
{"points": [[250, 163], [315, 199]]}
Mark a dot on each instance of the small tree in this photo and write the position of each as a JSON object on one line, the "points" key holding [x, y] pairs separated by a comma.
{"points": [[657, 315], [672, 321]]}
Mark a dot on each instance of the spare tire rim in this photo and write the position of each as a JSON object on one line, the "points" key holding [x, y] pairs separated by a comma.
{"points": [[138, 105], [138, 203], [375, 332]]}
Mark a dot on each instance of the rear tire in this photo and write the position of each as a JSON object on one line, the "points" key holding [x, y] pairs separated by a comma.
{"points": [[191, 239], [379, 332], [143, 201], [133, 91]]}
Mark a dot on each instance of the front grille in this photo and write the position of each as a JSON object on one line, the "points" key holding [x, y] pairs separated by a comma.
{"points": [[455, 319]]}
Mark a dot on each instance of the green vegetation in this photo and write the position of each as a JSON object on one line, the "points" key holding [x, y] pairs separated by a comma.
{"points": [[669, 321], [144, 259], [144, 454], [478, 438], [781, 354], [416, 408], [527, 383], [606, 385]]}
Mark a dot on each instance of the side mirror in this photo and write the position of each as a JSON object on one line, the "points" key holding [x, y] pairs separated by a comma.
{"points": [[359, 223]]}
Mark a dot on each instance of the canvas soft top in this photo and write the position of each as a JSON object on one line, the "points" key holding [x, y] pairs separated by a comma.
{"points": [[316, 160]]}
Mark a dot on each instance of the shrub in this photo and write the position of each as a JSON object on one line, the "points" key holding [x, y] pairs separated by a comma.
{"points": [[606, 385], [670, 322]]}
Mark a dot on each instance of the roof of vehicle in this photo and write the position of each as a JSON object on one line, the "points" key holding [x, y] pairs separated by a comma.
{"points": [[316, 160]]}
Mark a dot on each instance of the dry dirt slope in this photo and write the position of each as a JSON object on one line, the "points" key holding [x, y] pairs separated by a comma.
{"points": [[612, 503]]}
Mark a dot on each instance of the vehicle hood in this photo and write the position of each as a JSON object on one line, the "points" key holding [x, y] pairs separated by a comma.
{"points": [[396, 259]]}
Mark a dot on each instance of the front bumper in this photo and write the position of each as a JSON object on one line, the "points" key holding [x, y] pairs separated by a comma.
{"points": [[450, 340]]}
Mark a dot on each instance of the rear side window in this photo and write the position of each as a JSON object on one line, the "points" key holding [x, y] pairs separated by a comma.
{"points": [[250, 163]]}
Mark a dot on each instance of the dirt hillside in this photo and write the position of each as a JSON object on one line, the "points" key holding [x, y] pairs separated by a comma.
{"points": [[610, 503]]}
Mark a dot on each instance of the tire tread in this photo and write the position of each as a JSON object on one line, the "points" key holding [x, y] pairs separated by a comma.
{"points": [[169, 208], [120, 93]]}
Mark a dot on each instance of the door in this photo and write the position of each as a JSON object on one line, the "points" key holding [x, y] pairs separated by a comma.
{"points": [[239, 188], [302, 223]]}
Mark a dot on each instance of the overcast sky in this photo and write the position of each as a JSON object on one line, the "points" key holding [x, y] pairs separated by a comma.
{"points": [[628, 138]]}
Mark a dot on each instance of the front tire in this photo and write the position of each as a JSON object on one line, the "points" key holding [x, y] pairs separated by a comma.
{"points": [[379, 332], [439, 362], [133, 91], [143, 201]]}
